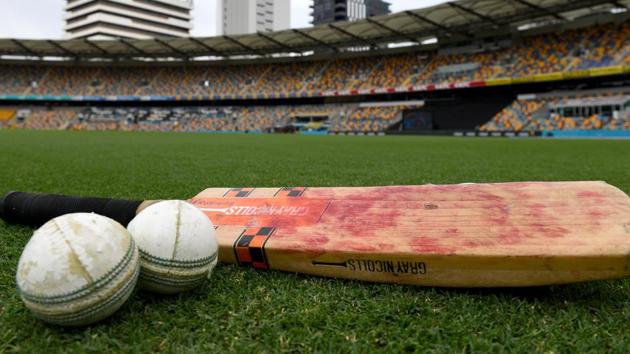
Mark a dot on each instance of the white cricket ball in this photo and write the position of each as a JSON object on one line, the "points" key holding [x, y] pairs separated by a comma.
{"points": [[78, 269], [178, 246]]}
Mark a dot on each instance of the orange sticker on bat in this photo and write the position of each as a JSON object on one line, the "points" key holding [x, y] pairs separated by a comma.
{"points": [[256, 212], [249, 247]]}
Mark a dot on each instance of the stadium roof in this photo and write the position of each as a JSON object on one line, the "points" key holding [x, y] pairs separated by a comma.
{"points": [[463, 19]]}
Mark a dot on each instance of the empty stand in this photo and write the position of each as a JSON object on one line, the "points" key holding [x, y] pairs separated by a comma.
{"points": [[603, 110], [574, 50]]}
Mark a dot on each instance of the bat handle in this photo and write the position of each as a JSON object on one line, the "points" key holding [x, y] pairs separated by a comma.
{"points": [[36, 209]]}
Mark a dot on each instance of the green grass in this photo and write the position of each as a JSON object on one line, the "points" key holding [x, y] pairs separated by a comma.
{"points": [[243, 310]]}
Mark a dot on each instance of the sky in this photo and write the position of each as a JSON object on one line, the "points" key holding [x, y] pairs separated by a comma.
{"points": [[43, 19]]}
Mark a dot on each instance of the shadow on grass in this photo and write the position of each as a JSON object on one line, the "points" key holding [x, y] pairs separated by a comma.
{"points": [[603, 293]]}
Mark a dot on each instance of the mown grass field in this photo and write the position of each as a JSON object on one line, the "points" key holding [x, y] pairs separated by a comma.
{"points": [[243, 310]]}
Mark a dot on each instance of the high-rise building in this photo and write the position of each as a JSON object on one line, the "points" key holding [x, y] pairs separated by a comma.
{"points": [[329, 11], [137, 19], [251, 16]]}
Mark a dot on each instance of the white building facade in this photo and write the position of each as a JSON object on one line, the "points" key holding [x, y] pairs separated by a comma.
{"points": [[251, 16], [130, 19], [329, 11]]}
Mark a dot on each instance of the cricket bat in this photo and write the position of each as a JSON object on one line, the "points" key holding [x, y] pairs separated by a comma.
{"points": [[465, 235]]}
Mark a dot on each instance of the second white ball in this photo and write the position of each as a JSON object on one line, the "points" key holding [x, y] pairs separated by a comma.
{"points": [[178, 246]]}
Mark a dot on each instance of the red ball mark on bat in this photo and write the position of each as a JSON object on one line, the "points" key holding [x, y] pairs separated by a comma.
{"points": [[589, 194], [596, 197], [318, 240], [306, 235], [537, 206], [539, 212], [361, 219], [498, 209], [386, 247], [431, 245], [511, 238], [361, 247], [313, 243], [596, 214], [490, 197], [498, 215], [502, 219], [479, 243], [470, 244], [550, 231]]}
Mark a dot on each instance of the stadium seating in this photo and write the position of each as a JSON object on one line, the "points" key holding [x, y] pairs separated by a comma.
{"points": [[374, 119], [6, 116], [516, 117], [571, 50], [65, 81], [538, 114], [252, 119], [48, 119], [121, 81], [602, 45], [20, 79]]}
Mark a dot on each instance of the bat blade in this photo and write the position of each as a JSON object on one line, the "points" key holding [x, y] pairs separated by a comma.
{"points": [[468, 235]]}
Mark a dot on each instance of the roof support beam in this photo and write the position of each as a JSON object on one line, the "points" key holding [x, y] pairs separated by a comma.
{"points": [[238, 43], [166, 45], [320, 37], [207, 47], [320, 42], [60, 47], [25, 48], [554, 9], [541, 9], [278, 43], [474, 13], [396, 32], [136, 49], [619, 5], [437, 25], [575, 5], [361, 39], [95, 46]]}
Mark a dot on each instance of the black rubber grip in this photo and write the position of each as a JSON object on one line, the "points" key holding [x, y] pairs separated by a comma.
{"points": [[36, 209]]}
